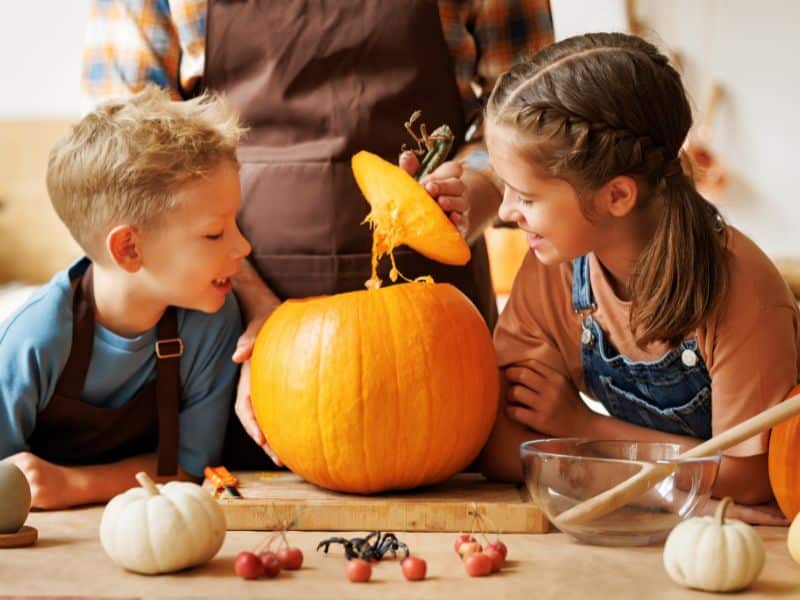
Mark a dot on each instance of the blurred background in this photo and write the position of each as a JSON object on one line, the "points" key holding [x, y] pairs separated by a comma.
{"points": [[737, 57]]}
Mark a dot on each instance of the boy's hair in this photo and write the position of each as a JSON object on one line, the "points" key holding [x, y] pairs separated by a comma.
{"points": [[596, 106], [124, 161]]}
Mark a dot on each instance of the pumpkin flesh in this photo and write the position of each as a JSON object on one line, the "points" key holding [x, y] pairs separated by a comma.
{"points": [[402, 212]]}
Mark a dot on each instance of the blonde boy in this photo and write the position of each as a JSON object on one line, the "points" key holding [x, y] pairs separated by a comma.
{"points": [[122, 362]]}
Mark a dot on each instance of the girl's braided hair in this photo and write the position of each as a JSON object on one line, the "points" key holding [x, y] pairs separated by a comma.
{"points": [[593, 107]]}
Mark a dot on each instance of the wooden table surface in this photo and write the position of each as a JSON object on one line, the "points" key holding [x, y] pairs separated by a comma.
{"points": [[69, 561]]}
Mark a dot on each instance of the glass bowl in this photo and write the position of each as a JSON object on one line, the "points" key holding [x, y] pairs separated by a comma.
{"points": [[560, 473]]}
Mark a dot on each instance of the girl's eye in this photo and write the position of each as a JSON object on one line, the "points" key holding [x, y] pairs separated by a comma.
{"points": [[214, 236], [524, 201]]}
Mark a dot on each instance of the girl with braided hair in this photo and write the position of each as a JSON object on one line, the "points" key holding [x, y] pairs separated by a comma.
{"points": [[636, 291]]}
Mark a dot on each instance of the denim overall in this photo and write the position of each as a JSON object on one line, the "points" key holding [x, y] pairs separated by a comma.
{"points": [[672, 394]]}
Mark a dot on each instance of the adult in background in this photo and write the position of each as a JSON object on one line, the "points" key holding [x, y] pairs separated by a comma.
{"points": [[316, 82]]}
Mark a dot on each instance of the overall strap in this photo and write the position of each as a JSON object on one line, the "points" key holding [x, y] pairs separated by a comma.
{"points": [[582, 297]]}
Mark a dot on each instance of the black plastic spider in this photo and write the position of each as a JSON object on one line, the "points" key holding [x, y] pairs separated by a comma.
{"points": [[373, 547]]}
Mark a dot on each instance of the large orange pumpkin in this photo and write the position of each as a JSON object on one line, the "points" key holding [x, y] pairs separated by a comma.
{"points": [[784, 463], [386, 388]]}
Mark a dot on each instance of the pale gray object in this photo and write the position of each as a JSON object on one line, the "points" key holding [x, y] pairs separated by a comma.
{"points": [[15, 498]]}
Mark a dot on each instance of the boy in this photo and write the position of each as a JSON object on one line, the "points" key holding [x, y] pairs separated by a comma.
{"points": [[122, 362]]}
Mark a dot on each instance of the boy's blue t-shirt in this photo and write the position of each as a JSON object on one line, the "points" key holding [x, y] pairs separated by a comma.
{"points": [[35, 342]]}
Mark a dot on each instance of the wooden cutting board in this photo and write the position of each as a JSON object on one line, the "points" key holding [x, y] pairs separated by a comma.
{"points": [[269, 498]]}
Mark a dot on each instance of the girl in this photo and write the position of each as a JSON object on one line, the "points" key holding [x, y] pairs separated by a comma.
{"points": [[636, 292]]}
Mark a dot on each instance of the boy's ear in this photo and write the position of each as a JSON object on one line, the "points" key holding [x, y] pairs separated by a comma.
{"points": [[122, 244], [619, 196]]}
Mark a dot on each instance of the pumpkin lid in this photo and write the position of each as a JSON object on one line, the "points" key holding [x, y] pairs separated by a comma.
{"points": [[402, 212]]}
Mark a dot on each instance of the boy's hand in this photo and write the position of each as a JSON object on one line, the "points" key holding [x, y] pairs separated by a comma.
{"points": [[546, 401], [243, 405], [244, 410], [51, 488]]}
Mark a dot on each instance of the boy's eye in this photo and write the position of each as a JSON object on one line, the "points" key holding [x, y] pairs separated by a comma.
{"points": [[214, 236]]}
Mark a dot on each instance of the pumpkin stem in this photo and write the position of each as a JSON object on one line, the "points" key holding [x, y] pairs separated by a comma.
{"points": [[442, 143], [432, 149], [147, 483], [719, 516]]}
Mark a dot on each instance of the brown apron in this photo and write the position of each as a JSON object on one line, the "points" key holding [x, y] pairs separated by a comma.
{"points": [[70, 431], [316, 82]]}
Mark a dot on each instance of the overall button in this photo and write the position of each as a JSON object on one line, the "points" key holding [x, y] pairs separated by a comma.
{"points": [[689, 357], [586, 337]]}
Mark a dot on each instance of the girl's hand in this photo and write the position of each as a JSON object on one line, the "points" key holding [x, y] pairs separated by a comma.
{"points": [[758, 514], [51, 488], [546, 401], [447, 187]]}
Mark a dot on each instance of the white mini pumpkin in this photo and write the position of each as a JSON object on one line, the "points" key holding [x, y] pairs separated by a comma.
{"points": [[160, 529], [712, 554]]}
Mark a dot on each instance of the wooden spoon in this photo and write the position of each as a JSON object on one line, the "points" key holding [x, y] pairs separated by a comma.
{"points": [[622, 493]]}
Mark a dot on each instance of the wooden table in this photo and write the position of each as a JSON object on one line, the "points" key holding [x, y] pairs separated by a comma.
{"points": [[69, 561]]}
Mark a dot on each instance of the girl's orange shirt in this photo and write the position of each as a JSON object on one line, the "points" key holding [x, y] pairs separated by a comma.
{"points": [[751, 345]]}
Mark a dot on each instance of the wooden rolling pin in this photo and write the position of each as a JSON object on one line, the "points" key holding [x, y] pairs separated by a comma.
{"points": [[622, 493]]}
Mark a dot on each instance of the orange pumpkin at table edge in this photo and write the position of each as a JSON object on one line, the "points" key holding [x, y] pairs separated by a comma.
{"points": [[386, 388], [784, 463]]}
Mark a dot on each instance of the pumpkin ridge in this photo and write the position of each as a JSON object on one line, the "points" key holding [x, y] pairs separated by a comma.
{"points": [[363, 406], [467, 420], [150, 521], [293, 337], [448, 317], [189, 523], [400, 466], [427, 356], [318, 394], [422, 474], [468, 363], [206, 510]]}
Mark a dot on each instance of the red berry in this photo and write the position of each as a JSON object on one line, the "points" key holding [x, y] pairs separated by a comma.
{"points": [[468, 548], [478, 565], [358, 570], [462, 539], [248, 566], [500, 547], [271, 562], [414, 568], [291, 558], [496, 557]]}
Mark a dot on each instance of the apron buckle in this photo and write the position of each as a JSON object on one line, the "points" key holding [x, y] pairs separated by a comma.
{"points": [[165, 353]]}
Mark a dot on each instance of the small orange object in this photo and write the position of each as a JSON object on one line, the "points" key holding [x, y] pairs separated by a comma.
{"points": [[221, 478]]}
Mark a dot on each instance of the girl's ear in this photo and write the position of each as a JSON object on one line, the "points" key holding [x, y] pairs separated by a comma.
{"points": [[122, 245], [620, 195]]}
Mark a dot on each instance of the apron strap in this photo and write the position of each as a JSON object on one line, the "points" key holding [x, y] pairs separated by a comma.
{"points": [[169, 348], [73, 376]]}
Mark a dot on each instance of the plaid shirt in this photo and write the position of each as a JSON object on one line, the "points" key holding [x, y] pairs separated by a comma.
{"points": [[133, 42]]}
